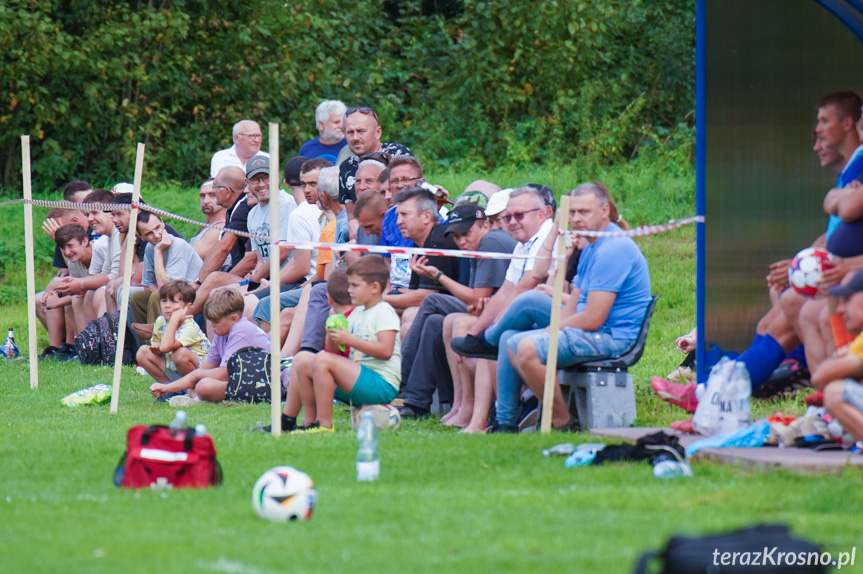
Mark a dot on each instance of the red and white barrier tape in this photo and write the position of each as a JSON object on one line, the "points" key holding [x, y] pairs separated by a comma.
{"points": [[637, 232]]}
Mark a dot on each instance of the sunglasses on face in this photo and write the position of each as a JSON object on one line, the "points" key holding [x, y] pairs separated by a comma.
{"points": [[518, 216], [362, 110]]}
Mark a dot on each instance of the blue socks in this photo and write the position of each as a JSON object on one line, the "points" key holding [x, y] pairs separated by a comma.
{"points": [[762, 358]]}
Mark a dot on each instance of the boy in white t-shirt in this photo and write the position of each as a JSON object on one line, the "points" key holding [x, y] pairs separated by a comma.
{"points": [[372, 374]]}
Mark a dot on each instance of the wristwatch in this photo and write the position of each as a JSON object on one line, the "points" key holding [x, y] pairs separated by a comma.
{"points": [[438, 276]]}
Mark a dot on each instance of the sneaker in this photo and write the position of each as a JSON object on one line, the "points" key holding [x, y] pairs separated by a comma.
{"points": [[184, 401], [816, 399], [141, 370], [474, 346], [68, 349], [169, 396], [412, 412], [679, 395], [529, 422], [287, 426], [684, 426], [788, 378], [49, 352], [496, 428], [314, 428]]}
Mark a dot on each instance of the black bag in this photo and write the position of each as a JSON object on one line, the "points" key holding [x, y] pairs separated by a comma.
{"points": [[249, 375], [762, 549], [97, 343], [647, 447]]}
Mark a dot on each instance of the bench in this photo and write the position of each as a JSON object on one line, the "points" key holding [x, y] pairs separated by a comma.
{"points": [[601, 394]]}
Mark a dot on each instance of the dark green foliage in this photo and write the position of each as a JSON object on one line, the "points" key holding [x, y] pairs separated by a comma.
{"points": [[477, 82]]}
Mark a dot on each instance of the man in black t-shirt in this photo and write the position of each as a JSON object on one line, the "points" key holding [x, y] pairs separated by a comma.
{"points": [[364, 138], [229, 186]]}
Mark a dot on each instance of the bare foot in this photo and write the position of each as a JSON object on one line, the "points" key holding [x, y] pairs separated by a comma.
{"points": [[462, 419], [452, 412], [474, 430]]}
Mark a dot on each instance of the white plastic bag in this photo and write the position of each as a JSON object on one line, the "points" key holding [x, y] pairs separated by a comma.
{"points": [[723, 407]]}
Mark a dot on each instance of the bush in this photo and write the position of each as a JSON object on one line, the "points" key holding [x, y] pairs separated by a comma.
{"points": [[481, 83]]}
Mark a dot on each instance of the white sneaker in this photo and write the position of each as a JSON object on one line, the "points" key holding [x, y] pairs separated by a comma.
{"points": [[184, 401], [141, 371]]}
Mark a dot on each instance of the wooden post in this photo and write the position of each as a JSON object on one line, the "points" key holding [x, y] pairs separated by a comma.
{"points": [[127, 278], [554, 327], [29, 256], [275, 307]]}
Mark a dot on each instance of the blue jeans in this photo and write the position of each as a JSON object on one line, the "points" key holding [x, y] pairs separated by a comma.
{"points": [[574, 346], [530, 310]]}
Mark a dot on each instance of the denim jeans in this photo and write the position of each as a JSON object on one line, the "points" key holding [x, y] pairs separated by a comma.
{"points": [[574, 346], [530, 310]]}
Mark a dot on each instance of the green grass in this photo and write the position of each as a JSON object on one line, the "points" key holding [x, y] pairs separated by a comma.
{"points": [[444, 502]]}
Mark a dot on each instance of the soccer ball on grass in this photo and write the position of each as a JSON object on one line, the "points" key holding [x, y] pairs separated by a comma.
{"points": [[284, 494]]}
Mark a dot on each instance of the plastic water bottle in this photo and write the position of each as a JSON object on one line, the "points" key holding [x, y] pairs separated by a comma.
{"points": [[368, 461], [666, 466], [742, 393], [10, 349], [564, 449], [200, 429], [180, 422]]}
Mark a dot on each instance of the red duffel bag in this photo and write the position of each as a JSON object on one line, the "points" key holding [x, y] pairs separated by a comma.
{"points": [[160, 457]]}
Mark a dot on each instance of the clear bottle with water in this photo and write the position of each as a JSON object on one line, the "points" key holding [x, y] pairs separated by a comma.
{"points": [[180, 422], [742, 392], [9, 348], [368, 461], [200, 429], [666, 466]]}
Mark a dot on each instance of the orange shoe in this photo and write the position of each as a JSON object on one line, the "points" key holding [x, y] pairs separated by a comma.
{"points": [[684, 426], [679, 395]]}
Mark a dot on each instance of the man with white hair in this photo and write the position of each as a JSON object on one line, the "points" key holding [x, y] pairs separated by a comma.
{"points": [[247, 143], [328, 117]]}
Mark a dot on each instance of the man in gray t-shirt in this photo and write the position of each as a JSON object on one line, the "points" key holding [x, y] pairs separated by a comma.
{"points": [[165, 258], [424, 363]]}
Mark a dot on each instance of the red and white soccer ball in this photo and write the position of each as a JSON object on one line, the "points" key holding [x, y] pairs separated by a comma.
{"points": [[284, 494], [806, 268]]}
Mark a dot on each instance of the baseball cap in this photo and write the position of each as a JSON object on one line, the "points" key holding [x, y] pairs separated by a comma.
{"points": [[258, 164], [848, 289], [546, 193], [123, 187], [292, 169], [497, 202], [462, 218], [474, 197]]}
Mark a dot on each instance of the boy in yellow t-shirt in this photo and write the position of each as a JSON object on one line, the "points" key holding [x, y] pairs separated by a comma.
{"points": [[840, 375], [372, 374], [178, 345]]}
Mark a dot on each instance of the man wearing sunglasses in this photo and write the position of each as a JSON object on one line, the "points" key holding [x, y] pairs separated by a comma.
{"points": [[247, 143], [364, 138]]}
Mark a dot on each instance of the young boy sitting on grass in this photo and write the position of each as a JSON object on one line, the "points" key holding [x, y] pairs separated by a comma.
{"points": [[339, 300], [178, 345], [233, 332], [373, 372]]}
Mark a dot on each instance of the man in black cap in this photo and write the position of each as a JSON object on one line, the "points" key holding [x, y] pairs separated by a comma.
{"points": [[840, 375], [424, 359]]}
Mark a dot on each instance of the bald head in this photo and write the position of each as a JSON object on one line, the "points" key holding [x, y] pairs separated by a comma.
{"points": [[228, 185]]}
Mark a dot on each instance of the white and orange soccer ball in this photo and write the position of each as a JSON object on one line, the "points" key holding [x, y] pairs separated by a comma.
{"points": [[806, 269], [384, 416], [284, 494]]}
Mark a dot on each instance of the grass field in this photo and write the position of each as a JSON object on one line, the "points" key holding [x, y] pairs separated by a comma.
{"points": [[444, 502]]}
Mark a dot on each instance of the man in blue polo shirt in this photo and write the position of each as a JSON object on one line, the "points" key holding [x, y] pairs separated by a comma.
{"points": [[603, 321]]}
